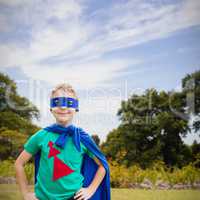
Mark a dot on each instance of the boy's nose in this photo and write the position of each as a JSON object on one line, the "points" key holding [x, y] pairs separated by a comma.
{"points": [[63, 107]]}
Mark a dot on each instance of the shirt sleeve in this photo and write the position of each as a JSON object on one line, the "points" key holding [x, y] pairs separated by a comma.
{"points": [[33, 143], [89, 153], [86, 150]]}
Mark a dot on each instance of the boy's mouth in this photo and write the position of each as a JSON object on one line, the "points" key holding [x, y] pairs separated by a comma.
{"points": [[64, 113]]}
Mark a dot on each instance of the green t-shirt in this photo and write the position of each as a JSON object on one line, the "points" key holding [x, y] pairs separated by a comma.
{"points": [[64, 187]]}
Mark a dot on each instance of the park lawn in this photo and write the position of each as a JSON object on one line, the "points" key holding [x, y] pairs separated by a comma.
{"points": [[139, 194], [11, 192]]}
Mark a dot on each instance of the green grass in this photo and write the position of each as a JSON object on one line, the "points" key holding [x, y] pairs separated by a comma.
{"points": [[11, 192], [128, 194]]}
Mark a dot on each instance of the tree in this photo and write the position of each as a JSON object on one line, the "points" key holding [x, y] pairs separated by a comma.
{"points": [[152, 127], [11, 116], [15, 124], [96, 138], [191, 86], [11, 143], [114, 146], [195, 148]]}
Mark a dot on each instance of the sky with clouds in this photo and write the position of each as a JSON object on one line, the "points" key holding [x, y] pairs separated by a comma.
{"points": [[107, 50]]}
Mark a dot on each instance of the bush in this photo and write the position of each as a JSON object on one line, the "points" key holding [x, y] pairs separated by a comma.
{"points": [[134, 175], [7, 170]]}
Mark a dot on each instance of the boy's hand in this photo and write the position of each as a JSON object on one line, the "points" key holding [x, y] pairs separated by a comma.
{"points": [[30, 196], [83, 194]]}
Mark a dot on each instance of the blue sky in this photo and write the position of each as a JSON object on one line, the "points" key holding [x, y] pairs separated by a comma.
{"points": [[107, 50]]}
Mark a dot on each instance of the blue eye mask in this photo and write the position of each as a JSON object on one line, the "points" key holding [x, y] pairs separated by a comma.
{"points": [[64, 102]]}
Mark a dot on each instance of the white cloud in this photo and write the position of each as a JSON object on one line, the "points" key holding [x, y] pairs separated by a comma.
{"points": [[13, 2], [139, 21], [71, 37], [3, 24], [82, 75], [65, 8], [76, 45], [52, 42], [12, 56]]}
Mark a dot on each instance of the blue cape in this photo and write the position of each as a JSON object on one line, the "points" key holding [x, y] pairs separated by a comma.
{"points": [[89, 166]]}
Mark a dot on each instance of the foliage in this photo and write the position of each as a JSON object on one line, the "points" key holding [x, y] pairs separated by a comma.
{"points": [[96, 139], [7, 169], [152, 128], [11, 101], [10, 143], [122, 176], [15, 122], [191, 85]]}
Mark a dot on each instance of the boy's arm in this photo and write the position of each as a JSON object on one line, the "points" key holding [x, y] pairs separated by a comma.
{"points": [[98, 176], [22, 159], [90, 190]]}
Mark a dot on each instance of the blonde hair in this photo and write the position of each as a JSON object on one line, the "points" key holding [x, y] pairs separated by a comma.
{"points": [[65, 87]]}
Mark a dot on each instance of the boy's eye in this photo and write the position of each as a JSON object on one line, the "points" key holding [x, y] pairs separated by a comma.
{"points": [[70, 102], [57, 102]]}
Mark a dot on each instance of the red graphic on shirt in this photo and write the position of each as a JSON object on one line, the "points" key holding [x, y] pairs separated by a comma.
{"points": [[60, 169], [53, 151]]}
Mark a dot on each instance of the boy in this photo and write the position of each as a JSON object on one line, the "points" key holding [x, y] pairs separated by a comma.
{"points": [[66, 158]]}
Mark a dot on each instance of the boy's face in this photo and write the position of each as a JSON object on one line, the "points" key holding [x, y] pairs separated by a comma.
{"points": [[63, 115]]}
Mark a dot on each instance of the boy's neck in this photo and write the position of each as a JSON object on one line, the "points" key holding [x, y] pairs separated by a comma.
{"points": [[65, 124]]}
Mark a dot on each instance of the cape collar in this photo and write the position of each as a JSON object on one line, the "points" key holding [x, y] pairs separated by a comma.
{"points": [[65, 132]]}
